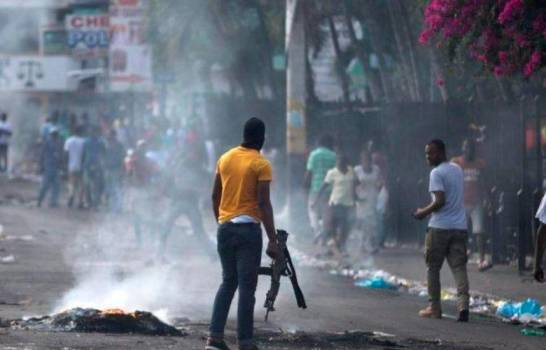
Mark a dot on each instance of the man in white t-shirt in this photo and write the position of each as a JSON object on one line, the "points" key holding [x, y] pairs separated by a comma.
{"points": [[447, 231], [342, 200], [540, 244], [5, 136], [73, 146]]}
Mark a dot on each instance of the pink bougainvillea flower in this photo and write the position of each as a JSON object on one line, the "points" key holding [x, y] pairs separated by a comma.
{"points": [[503, 57], [498, 71], [511, 10], [507, 42], [533, 63]]}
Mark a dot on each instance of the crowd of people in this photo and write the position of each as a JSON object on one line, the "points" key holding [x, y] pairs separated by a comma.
{"points": [[112, 166], [106, 169], [341, 196], [241, 203]]}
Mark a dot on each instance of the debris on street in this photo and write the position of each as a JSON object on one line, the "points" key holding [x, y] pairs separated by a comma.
{"points": [[100, 321], [7, 259]]}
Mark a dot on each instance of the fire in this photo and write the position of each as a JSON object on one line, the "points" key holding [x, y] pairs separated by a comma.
{"points": [[115, 312]]}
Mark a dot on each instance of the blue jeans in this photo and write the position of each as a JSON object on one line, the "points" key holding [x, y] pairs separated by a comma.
{"points": [[50, 180], [240, 249]]}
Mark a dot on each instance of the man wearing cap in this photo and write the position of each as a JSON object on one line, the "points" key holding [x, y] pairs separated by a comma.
{"points": [[241, 202], [50, 164]]}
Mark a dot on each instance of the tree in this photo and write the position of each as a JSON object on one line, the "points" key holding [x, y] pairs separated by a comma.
{"points": [[507, 36], [190, 37]]}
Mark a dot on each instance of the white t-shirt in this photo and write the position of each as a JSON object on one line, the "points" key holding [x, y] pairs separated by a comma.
{"points": [[541, 212], [448, 178], [367, 189], [74, 146], [342, 186], [4, 138]]}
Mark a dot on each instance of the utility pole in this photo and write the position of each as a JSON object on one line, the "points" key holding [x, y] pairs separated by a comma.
{"points": [[296, 140]]}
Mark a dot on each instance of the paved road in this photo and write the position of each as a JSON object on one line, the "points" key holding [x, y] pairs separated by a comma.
{"points": [[69, 249]]}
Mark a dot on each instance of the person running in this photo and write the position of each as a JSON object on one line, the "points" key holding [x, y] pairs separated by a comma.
{"points": [[143, 193], [474, 197], [342, 199], [183, 195], [73, 146], [50, 164], [322, 159], [241, 201], [369, 183], [5, 136], [447, 231]]}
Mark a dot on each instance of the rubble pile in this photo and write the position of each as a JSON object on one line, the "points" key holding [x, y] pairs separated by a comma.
{"points": [[93, 320]]}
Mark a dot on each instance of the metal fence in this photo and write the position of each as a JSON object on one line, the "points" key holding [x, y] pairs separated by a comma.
{"points": [[513, 139]]}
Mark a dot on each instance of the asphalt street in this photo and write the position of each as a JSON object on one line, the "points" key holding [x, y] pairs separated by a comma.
{"points": [[51, 248]]}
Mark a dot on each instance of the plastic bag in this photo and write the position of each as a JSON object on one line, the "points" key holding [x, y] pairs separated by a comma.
{"points": [[375, 283]]}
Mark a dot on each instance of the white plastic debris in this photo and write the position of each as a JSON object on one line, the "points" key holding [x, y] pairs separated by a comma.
{"points": [[7, 259]]}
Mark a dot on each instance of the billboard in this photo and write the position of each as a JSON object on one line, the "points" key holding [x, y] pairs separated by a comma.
{"points": [[88, 34], [130, 56], [36, 73]]}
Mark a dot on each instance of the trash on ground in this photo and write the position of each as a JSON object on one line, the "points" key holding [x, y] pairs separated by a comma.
{"points": [[16, 238], [527, 311], [7, 259], [532, 332], [480, 303], [375, 283]]}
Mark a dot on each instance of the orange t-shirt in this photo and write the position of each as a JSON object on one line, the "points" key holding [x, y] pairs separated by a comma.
{"points": [[473, 191], [240, 170]]}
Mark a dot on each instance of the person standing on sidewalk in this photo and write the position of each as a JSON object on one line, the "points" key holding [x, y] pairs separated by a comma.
{"points": [[322, 159], [51, 164], [474, 197], [447, 231], [240, 202], [73, 146], [367, 192], [114, 157], [540, 241], [5, 136], [93, 167]]}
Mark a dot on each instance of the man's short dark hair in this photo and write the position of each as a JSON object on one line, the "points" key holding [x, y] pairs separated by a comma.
{"points": [[4, 116], [439, 144], [327, 141], [79, 130], [254, 133]]}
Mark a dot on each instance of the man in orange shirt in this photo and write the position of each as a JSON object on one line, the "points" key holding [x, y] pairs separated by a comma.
{"points": [[241, 202], [474, 196]]}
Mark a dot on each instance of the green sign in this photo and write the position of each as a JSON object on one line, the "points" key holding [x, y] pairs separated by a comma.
{"points": [[54, 41]]}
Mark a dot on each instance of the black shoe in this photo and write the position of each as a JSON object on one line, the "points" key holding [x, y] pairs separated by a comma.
{"points": [[216, 345], [463, 316]]}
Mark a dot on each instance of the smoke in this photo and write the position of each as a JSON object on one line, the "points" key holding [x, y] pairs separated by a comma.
{"points": [[19, 35], [113, 271]]}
